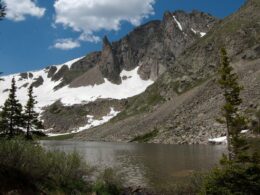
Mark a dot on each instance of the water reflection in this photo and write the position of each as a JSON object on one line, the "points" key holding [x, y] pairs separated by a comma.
{"points": [[145, 164]]}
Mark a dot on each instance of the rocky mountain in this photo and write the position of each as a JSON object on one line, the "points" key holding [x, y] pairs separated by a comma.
{"points": [[88, 91], [184, 102]]}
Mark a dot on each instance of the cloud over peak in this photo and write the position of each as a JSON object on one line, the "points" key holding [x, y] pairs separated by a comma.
{"points": [[91, 16], [17, 10], [66, 44]]}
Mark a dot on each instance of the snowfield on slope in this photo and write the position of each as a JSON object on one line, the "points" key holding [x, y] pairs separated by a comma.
{"points": [[131, 86], [223, 139], [91, 123]]}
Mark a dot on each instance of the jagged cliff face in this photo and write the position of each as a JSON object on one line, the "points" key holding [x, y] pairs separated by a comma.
{"points": [[173, 61], [122, 69], [153, 47], [184, 102], [238, 33]]}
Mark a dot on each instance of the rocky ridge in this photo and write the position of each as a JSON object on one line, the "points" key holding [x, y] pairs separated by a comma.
{"points": [[150, 49], [185, 100]]}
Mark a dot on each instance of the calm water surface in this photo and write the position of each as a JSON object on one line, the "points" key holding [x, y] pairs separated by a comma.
{"points": [[145, 164]]}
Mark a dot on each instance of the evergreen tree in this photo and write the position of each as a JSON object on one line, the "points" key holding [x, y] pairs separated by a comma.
{"points": [[233, 120], [30, 116], [2, 14], [239, 172], [257, 114], [2, 9], [12, 119]]}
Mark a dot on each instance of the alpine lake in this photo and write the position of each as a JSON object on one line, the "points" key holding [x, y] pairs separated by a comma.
{"points": [[145, 165]]}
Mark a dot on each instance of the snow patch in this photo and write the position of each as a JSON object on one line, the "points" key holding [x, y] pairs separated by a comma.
{"points": [[69, 63], [202, 34], [94, 123], [218, 140], [178, 23], [244, 131], [194, 31], [129, 87], [57, 134], [91, 123]]}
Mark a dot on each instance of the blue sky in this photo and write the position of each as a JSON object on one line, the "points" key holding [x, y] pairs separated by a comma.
{"points": [[46, 32]]}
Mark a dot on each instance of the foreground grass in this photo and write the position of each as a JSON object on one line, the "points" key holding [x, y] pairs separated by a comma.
{"points": [[254, 143], [26, 168]]}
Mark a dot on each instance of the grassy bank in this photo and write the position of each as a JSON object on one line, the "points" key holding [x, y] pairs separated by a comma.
{"points": [[255, 143], [26, 168]]}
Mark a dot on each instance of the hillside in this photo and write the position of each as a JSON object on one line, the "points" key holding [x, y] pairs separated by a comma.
{"points": [[184, 102], [123, 69]]}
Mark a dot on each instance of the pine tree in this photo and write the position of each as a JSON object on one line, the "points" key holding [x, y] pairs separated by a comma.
{"points": [[12, 119], [257, 114], [2, 15], [30, 116], [233, 120], [239, 172], [2, 9], [1, 119]]}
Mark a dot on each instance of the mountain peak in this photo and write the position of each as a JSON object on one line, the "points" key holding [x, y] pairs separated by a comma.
{"points": [[122, 69], [106, 42]]}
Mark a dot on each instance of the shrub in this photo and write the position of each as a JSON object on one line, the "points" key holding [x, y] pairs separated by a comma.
{"points": [[108, 183], [187, 186], [27, 165], [256, 123], [234, 178]]}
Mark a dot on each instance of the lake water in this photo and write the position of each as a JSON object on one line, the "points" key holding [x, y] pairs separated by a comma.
{"points": [[146, 165]]}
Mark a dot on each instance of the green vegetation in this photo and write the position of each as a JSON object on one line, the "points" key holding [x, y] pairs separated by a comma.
{"points": [[256, 123], [141, 104], [2, 10], [58, 108], [145, 137], [254, 144], [108, 183], [11, 116], [30, 116], [13, 119], [232, 118], [234, 178], [239, 172], [26, 165], [187, 186], [27, 168], [195, 84]]}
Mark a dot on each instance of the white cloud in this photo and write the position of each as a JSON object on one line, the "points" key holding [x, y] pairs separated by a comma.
{"points": [[90, 16], [66, 44], [17, 10], [89, 38]]}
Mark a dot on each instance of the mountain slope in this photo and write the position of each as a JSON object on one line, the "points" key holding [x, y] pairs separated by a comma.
{"points": [[44, 87], [121, 70], [184, 102]]}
